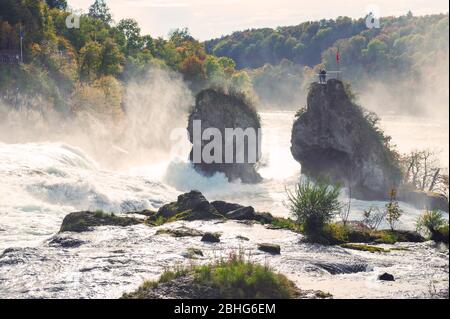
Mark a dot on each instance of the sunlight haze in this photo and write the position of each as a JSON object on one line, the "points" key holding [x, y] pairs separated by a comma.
{"points": [[211, 19]]}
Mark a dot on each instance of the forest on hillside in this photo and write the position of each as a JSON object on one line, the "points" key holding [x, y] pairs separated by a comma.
{"points": [[71, 69]]}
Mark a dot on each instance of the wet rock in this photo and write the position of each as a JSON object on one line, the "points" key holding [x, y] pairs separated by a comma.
{"points": [[386, 277], [242, 238], [145, 212], [180, 232], [193, 253], [440, 235], [65, 242], [270, 248], [333, 138], [218, 110], [338, 269], [189, 206], [84, 221], [248, 214], [225, 207], [243, 213], [211, 237], [265, 218]]}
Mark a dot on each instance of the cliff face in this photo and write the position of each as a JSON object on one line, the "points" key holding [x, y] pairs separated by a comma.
{"points": [[218, 110], [333, 139]]}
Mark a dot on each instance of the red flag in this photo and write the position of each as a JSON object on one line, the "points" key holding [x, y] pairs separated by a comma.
{"points": [[338, 56]]}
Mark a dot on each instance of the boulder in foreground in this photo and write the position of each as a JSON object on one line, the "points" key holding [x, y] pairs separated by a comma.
{"points": [[189, 206], [235, 278], [84, 221]]}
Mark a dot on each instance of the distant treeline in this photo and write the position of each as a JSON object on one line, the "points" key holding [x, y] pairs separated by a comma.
{"points": [[70, 68], [405, 48]]}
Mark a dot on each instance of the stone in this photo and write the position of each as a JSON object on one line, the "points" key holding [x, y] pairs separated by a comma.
{"points": [[270, 248], [336, 140]]}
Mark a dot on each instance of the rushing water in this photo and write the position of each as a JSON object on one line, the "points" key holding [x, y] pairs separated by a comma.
{"points": [[41, 182]]}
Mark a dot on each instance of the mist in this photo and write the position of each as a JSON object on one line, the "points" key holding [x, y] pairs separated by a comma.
{"points": [[153, 107]]}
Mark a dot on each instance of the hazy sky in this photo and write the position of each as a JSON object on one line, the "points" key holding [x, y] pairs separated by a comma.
{"points": [[212, 18]]}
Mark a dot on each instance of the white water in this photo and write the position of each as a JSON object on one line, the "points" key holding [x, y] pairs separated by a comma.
{"points": [[41, 183]]}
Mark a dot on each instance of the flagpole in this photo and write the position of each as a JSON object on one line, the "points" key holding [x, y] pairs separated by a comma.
{"points": [[21, 40], [338, 60]]}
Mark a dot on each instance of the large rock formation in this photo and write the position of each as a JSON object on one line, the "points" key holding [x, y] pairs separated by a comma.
{"points": [[334, 139], [217, 110]]}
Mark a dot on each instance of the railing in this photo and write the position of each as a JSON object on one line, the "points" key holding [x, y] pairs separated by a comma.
{"points": [[329, 75], [9, 57]]}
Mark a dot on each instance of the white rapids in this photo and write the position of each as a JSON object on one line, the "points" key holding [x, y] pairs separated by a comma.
{"points": [[41, 182]]}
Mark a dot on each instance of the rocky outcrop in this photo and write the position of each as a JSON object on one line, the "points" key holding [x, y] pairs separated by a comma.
{"points": [[179, 232], [189, 206], [334, 139], [386, 277], [341, 268], [211, 238], [225, 207], [219, 111], [65, 242], [424, 200], [194, 206], [183, 287], [84, 221], [270, 248]]}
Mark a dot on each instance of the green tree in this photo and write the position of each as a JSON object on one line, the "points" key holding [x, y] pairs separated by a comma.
{"points": [[178, 36], [100, 10], [90, 60], [111, 59], [132, 33], [58, 4]]}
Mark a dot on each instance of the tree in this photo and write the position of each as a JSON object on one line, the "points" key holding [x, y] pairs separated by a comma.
{"points": [[111, 59], [58, 4], [393, 211], [192, 69], [99, 10], [423, 172], [90, 59], [178, 36], [132, 33]]}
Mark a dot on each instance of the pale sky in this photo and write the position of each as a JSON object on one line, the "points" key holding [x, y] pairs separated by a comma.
{"points": [[208, 19]]}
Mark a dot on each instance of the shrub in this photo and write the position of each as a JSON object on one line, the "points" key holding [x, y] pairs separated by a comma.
{"points": [[233, 278], [373, 217], [335, 233], [242, 279], [314, 206], [430, 223]]}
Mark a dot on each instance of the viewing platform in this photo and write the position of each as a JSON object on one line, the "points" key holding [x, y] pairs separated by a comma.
{"points": [[329, 75], [9, 57]]}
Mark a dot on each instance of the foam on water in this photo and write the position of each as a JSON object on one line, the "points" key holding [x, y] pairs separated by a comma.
{"points": [[41, 182]]}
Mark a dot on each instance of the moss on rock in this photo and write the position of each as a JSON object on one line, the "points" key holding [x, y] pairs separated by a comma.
{"points": [[84, 221]]}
